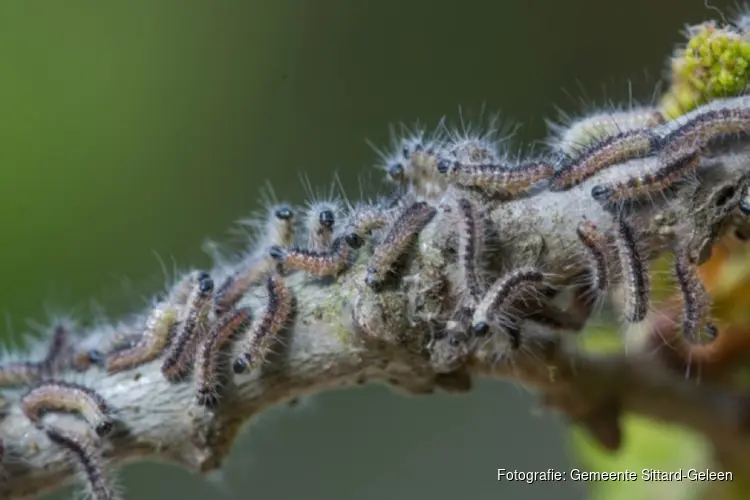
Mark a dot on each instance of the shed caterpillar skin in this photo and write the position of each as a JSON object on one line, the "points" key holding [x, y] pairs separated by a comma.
{"points": [[328, 263], [573, 138], [497, 179], [690, 134], [58, 396], [278, 311], [153, 341], [29, 372], [398, 238], [181, 349], [634, 271], [604, 154], [503, 291], [208, 364], [696, 301], [616, 193], [90, 460], [278, 231]]}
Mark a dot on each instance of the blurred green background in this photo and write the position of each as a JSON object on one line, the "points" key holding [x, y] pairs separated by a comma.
{"points": [[136, 129]]}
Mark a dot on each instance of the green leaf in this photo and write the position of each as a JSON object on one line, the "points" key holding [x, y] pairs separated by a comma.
{"points": [[646, 445]]}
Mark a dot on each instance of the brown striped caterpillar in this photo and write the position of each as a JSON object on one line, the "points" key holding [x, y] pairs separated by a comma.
{"points": [[278, 230], [573, 137], [58, 396], [84, 356], [278, 311], [696, 301], [501, 294], [471, 239], [693, 132], [235, 286], [637, 284], [209, 361], [155, 337], [89, 457], [494, 179], [634, 188], [397, 240], [598, 263], [181, 349], [327, 263], [604, 154]]}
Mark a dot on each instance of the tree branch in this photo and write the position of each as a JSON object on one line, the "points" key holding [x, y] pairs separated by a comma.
{"points": [[346, 333]]}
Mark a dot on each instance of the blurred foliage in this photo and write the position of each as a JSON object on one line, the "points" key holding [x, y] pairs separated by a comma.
{"points": [[715, 62], [649, 444], [646, 445]]}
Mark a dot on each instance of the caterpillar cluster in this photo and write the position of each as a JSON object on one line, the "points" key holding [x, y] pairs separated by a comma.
{"points": [[450, 189]]}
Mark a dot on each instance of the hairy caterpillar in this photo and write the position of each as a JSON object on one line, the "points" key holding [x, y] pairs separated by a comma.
{"points": [[158, 330], [90, 460], [68, 397], [397, 240], [209, 357], [317, 263], [635, 273], [603, 154], [181, 349], [278, 311], [503, 291], [497, 179]]}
